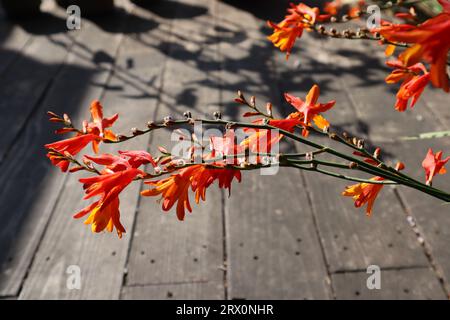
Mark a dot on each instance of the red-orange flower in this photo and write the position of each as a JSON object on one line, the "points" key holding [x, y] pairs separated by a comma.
{"points": [[175, 189], [262, 140], [433, 164], [104, 213], [126, 160], [93, 132], [366, 193], [68, 146], [431, 41], [413, 82], [310, 109], [119, 173], [99, 124], [299, 17], [332, 7]]}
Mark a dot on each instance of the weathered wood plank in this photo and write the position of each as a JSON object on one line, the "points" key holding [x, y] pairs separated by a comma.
{"points": [[165, 251], [66, 241], [13, 40], [403, 284], [22, 93], [179, 291], [30, 186], [273, 251]]}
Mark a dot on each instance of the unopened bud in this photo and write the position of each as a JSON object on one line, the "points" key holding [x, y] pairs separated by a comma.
{"points": [[168, 119], [187, 114], [217, 115], [67, 119], [360, 143], [353, 165], [269, 109]]}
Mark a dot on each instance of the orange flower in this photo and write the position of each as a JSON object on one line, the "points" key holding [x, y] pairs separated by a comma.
{"points": [[92, 132], [119, 173], [104, 213], [98, 124], [332, 7], [299, 17], [68, 146], [115, 163], [175, 189], [310, 109], [431, 41], [366, 193], [262, 140], [413, 82], [433, 164]]}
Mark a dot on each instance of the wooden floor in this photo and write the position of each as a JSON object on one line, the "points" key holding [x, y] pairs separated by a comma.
{"points": [[289, 236]]}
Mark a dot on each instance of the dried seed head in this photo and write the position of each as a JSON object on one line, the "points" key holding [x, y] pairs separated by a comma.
{"points": [[67, 119], [353, 165], [253, 101], [240, 95], [217, 115], [168, 119], [121, 137], [230, 125], [344, 17], [135, 131], [360, 143], [321, 28], [333, 19], [187, 114], [150, 124], [333, 31]]}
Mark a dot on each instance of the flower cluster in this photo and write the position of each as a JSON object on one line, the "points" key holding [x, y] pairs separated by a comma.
{"points": [[221, 157], [173, 177], [422, 43]]}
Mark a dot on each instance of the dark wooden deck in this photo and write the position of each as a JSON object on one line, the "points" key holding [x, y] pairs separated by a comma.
{"points": [[289, 236]]}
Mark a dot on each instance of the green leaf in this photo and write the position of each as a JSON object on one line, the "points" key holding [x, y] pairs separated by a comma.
{"points": [[428, 135]]}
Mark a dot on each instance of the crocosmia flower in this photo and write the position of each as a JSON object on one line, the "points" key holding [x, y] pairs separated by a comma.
{"points": [[299, 17], [430, 42], [175, 189], [310, 110], [433, 164], [119, 172], [70, 147], [366, 193], [415, 78]]}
